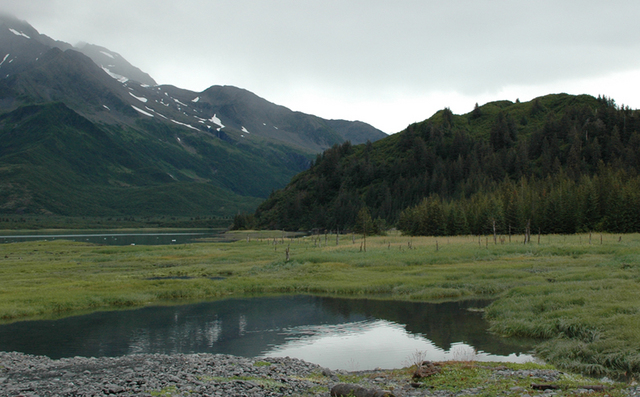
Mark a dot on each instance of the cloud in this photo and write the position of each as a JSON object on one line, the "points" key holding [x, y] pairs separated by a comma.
{"points": [[374, 52]]}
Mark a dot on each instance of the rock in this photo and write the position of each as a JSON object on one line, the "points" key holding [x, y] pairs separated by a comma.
{"points": [[426, 369], [346, 389], [150, 374]]}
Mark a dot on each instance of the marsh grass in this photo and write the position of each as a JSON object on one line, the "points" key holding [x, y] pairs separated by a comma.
{"points": [[581, 300], [461, 376]]}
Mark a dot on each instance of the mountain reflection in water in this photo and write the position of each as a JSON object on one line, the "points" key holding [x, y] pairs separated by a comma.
{"points": [[336, 333]]}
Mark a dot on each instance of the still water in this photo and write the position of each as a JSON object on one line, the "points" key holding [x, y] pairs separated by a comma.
{"points": [[335, 333], [106, 237]]}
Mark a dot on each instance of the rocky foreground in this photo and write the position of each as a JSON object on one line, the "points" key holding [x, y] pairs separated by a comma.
{"points": [[223, 375]]}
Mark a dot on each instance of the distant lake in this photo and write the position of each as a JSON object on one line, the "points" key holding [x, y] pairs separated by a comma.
{"points": [[118, 237], [335, 333]]}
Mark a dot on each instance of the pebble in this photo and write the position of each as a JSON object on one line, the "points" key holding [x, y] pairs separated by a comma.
{"points": [[207, 375], [147, 374]]}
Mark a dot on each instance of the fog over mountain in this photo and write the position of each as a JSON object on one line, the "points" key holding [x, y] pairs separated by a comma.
{"points": [[387, 63]]}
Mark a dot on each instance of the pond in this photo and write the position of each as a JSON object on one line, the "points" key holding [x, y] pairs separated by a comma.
{"points": [[118, 237], [335, 333]]}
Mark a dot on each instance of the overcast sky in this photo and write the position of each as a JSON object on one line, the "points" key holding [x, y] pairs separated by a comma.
{"points": [[388, 63]]}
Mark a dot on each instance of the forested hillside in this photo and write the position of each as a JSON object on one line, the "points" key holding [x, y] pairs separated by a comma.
{"points": [[557, 164]]}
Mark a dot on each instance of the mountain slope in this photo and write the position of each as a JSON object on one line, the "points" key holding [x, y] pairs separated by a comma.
{"points": [[225, 147], [115, 65], [559, 163], [101, 177]]}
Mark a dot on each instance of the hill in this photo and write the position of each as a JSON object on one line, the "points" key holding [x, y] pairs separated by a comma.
{"points": [[559, 163], [84, 132]]}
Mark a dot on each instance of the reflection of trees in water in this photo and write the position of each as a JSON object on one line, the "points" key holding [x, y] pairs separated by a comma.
{"points": [[443, 323], [245, 327]]}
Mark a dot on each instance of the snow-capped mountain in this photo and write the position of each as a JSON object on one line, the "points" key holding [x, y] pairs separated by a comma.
{"points": [[224, 139]]}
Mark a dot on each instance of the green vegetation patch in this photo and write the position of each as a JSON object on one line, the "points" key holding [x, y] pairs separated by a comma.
{"points": [[581, 300]]}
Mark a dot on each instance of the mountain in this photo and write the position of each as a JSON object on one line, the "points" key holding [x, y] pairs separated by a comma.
{"points": [[557, 164], [115, 65], [84, 132]]}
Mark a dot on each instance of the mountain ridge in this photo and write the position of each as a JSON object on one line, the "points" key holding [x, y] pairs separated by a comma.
{"points": [[224, 143]]}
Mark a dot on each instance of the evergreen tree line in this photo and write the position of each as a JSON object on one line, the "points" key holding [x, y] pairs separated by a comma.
{"points": [[608, 201], [509, 162]]}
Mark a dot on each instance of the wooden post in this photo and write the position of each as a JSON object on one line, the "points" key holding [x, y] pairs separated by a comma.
{"points": [[539, 232], [509, 233], [286, 253], [495, 238], [437, 246], [364, 237], [364, 242], [337, 236]]}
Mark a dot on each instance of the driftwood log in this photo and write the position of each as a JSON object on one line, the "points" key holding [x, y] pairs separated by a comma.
{"points": [[544, 387], [345, 389], [555, 387]]}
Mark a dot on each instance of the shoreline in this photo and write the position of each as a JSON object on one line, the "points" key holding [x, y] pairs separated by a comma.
{"points": [[225, 375]]}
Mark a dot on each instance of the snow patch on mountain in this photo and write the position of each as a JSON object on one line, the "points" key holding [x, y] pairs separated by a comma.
{"points": [[201, 120], [5, 58], [215, 120], [19, 33], [185, 125], [180, 103], [107, 54], [142, 111], [159, 114], [116, 76], [196, 100], [245, 130], [141, 99]]}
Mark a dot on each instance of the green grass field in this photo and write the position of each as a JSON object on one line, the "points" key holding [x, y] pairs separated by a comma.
{"points": [[581, 298]]}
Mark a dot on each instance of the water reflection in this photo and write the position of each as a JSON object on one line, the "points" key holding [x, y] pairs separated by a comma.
{"points": [[387, 345], [106, 237], [336, 333]]}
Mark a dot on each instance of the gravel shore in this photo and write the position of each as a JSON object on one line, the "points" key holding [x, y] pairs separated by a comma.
{"points": [[205, 375]]}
